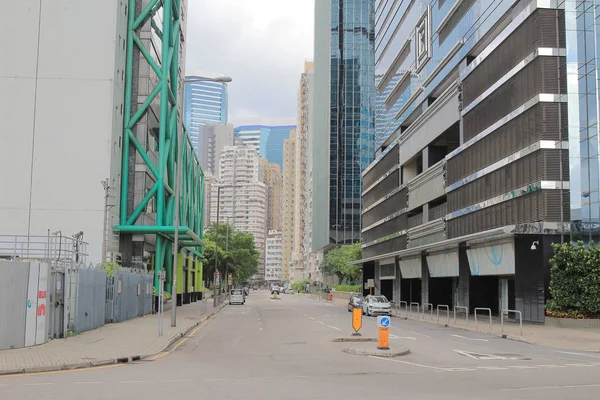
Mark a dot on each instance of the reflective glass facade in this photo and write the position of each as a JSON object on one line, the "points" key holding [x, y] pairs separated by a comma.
{"points": [[583, 47], [352, 104], [268, 140], [204, 103]]}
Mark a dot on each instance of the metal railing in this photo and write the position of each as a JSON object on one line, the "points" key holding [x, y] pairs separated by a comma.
{"points": [[414, 303], [429, 307], [400, 308], [447, 308], [466, 313], [489, 310], [54, 248], [502, 319]]}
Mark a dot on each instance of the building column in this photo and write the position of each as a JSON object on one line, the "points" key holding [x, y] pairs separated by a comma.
{"points": [[377, 289], [464, 277], [424, 281]]}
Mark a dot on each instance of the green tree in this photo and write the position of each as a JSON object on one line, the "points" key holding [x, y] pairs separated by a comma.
{"points": [[337, 261], [575, 279], [237, 252]]}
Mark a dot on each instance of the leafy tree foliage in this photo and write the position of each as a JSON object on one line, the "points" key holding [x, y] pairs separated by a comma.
{"points": [[575, 279], [337, 261], [236, 253]]}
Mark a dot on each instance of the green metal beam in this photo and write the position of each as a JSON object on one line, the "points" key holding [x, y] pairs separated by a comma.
{"points": [[169, 142]]}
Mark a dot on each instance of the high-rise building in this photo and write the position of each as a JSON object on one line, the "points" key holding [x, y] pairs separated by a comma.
{"points": [[344, 111], [274, 256], [487, 124], [205, 103], [209, 184], [272, 177], [267, 140], [211, 141], [289, 203], [242, 197]]}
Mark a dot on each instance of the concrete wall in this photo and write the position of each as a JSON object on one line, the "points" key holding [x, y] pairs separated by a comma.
{"points": [[61, 80]]}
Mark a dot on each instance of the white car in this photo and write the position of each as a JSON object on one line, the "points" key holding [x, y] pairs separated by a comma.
{"points": [[236, 296], [376, 305]]}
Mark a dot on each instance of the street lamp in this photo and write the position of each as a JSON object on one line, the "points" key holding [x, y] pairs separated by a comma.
{"points": [[217, 236]]}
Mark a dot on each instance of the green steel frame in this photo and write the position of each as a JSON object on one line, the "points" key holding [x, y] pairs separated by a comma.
{"points": [[170, 143]]}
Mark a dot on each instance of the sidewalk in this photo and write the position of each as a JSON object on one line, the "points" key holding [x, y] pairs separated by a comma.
{"points": [[112, 343], [544, 335]]}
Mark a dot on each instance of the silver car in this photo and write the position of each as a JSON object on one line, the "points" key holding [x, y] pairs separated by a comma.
{"points": [[376, 305], [236, 296]]}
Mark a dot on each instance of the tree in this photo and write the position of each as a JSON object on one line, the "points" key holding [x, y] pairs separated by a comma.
{"points": [[337, 261], [237, 252]]}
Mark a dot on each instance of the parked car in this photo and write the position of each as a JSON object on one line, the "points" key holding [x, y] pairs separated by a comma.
{"points": [[289, 291], [275, 289], [376, 305], [236, 296], [355, 302]]}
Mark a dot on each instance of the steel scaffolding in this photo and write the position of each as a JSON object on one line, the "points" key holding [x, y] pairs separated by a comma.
{"points": [[170, 142]]}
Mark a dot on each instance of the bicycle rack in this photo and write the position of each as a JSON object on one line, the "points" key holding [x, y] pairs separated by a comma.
{"points": [[489, 310], [466, 313], [447, 312], [502, 319]]}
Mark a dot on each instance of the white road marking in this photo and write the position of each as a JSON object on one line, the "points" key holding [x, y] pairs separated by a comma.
{"points": [[551, 366], [579, 354], [312, 318], [409, 363], [459, 369], [464, 337], [334, 327], [522, 366], [553, 387], [419, 334], [402, 337], [581, 365], [465, 353], [39, 384], [321, 322], [261, 329], [492, 368]]}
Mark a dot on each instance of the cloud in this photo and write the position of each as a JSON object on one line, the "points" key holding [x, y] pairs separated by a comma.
{"points": [[261, 44]]}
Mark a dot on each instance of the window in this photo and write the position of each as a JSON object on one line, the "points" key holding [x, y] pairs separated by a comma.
{"points": [[423, 40]]}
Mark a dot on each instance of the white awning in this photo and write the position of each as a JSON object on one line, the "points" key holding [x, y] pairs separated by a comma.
{"points": [[443, 265], [411, 268], [494, 259]]}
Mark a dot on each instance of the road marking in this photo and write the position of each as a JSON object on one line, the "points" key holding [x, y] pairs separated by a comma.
{"points": [[492, 368], [402, 337], [157, 356], [522, 366], [578, 354], [419, 334], [464, 337], [465, 353], [409, 363], [459, 369], [87, 383], [334, 327], [62, 372], [581, 365], [553, 387], [39, 384], [550, 366], [312, 318], [261, 329]]}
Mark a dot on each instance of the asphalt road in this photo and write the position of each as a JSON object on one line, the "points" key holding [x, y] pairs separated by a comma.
{"points": [[283, 349]]}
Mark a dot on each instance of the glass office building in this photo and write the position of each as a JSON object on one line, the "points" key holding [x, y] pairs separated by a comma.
{"points": [[204, 103], [268, 140], [344, 46], [487, 149]]}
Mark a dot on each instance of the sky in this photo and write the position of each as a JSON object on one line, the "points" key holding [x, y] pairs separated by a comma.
{"points": [[261, 45]]}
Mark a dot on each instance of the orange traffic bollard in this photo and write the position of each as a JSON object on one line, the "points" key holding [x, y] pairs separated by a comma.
{"points": [[383, 340], [356, 320]]}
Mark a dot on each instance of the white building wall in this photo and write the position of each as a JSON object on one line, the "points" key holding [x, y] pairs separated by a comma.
{"points": [[274, 256], [61, 94]]}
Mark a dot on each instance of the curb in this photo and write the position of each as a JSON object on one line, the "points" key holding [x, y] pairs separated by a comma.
{"points": [[354, 339], [120, 360], [377, 353]]}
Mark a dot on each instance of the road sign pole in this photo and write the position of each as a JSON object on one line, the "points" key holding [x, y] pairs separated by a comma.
{"points": [[383, 339]]}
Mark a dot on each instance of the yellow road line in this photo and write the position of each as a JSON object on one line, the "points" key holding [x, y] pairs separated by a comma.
{"points": [[182, 341], [62, 372]]}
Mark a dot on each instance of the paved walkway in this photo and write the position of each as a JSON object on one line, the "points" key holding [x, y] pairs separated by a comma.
{"points": [[125, 340], [563, 338]]}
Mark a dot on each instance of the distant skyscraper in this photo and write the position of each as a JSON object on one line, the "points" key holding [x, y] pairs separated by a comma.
{"points": [[211, 141], [272, 177], [268, 140], [274, 257], [344, 117], [204, 103]]}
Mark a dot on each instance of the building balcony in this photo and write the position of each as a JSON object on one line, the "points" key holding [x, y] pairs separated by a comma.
{"points": [[426, 187]]}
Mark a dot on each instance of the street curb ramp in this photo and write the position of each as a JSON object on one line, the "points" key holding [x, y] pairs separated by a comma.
{"points": [[120, 360]]}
